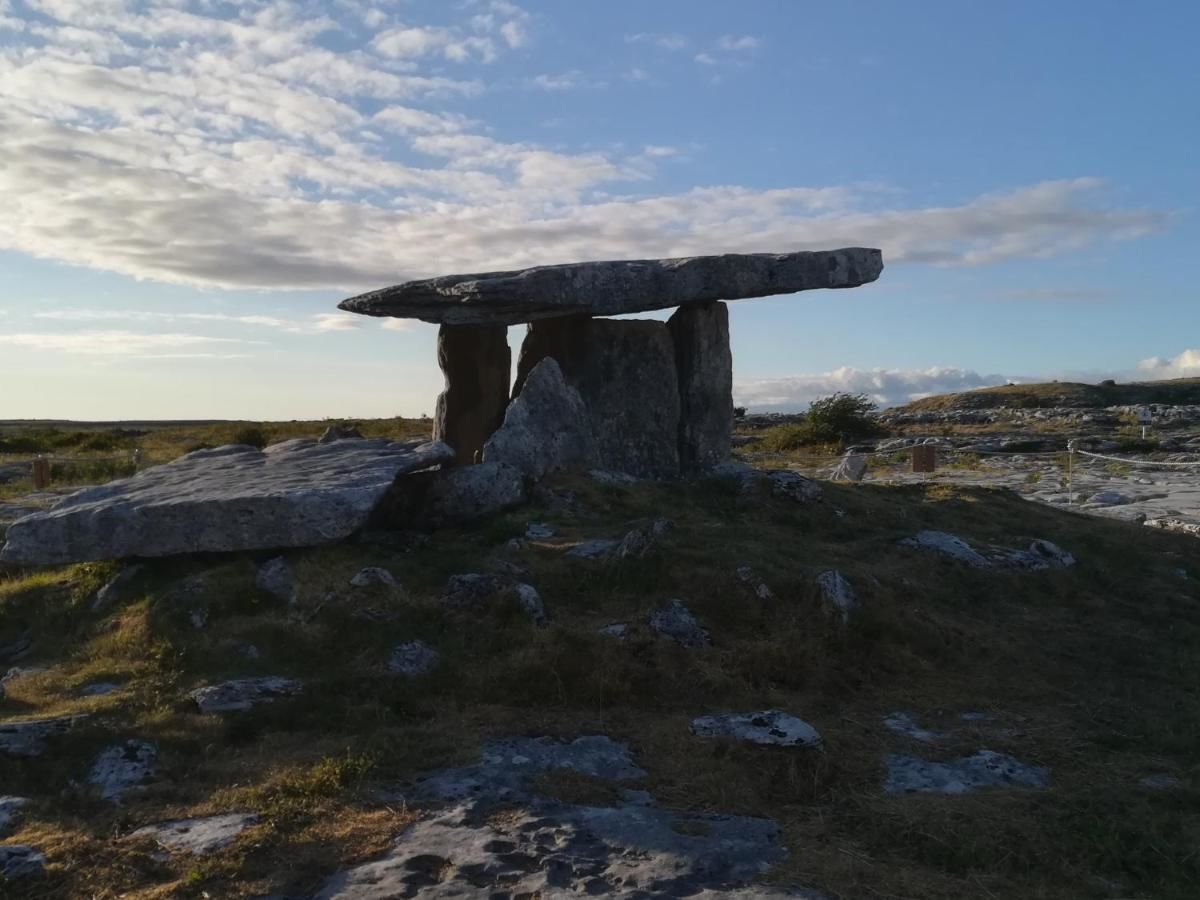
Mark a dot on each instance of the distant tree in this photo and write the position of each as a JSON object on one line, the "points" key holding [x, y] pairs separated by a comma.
{"points": [[838, 419], [739, 412]]}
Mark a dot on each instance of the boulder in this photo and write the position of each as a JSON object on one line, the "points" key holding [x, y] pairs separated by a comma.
{"points": [[198, 837], [704, 365], [837, 594], [625, 374], [769, 727], [339, 433], [852, 467], [19, 861], [531, 604], [615, 287], [465, 493], [414, 659], [27, 737], [274, 577], [546, 427], [116, 587], [9, 809], [910, 774], [243, 693], [675, 621], [122, 768], [373, 576], [470, 589], [294, 494], [948, 545], [477, 365]]}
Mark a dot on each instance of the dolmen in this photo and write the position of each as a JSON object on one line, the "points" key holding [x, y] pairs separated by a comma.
{"points": [[645, 398]]}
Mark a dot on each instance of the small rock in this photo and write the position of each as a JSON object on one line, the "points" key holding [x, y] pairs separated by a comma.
{"points": [[1161, 782], [676, 622], [275, 578], [122, 768], [247, 651], [339, 433], [837, 593], [198, 618], [19, 861], [1108, 498], [27, 737], [617, 630], [769, 727], [793, 486], [9, 809], [413, 659], [198, 836], [852, 468], [747, 576], [947, 545], [243, 693], [909, 774], [117, 585], [516, 545], [470, 589], [531, 604], [603, 476], [99, 689], [538, 531], [903, 723], [373, 576], [508, 569], [595, 549]]}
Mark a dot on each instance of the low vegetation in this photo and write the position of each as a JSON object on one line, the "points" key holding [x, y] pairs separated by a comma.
{"points": [[1092, 673], [830, 422]]}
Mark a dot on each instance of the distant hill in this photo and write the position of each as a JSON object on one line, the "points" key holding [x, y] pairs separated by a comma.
{"points": [[1179, 391]]}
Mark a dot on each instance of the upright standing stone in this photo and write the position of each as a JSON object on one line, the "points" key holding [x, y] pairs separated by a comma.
{"points": [[705, 368], [477, 364], [625, 373]]}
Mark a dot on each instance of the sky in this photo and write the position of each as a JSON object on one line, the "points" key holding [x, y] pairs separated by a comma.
{"points": [[188, 188]]}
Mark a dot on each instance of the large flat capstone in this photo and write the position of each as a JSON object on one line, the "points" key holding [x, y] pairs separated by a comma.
{"points": [[615, 287], [293, 494]]}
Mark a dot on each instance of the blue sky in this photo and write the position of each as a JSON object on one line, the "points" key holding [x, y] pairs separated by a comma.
{"points": [[190, 187]]}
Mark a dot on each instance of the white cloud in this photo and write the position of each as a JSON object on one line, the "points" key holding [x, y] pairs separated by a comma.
{"points": [[564, 81], [116, 343], [315, 324], [1185, 365], [337, 321], [665, 41], [398, 324], [705, 59], [887, 387], [736, 43]]}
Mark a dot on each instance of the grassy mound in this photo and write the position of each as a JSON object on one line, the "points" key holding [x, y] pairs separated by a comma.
{"points": [[1091, 672]]}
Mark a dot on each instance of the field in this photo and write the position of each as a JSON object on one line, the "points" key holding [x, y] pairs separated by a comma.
{"points": [[1181, 391], [1091, 672]]}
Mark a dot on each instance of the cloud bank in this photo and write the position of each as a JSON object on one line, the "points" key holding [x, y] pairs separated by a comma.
{"points": [[887, 387], [162, 140]]}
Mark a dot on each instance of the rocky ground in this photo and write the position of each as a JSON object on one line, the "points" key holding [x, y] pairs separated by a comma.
{"points": [[752, 685]]}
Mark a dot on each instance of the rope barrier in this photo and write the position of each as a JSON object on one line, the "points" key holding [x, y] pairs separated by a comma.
{"points": [[1135, 462]]}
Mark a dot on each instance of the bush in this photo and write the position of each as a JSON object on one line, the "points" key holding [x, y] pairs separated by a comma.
{"points": [[838, 419], [255, 437]]}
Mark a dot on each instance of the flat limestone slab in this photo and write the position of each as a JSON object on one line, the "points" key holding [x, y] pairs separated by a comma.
{"points": [[294, 494], [615, 287]]}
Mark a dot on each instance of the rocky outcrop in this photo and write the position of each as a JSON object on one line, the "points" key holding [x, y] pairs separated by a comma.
{"points": [[27, 737], [471, 492], [243, 694], [122, 768], [613, 288], [704, 365], [910, 774], [477, 364], [546, 427], [769, 727], [297, 493], [198, 837]]}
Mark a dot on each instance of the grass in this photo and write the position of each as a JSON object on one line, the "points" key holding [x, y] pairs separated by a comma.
{"points": [[1093, 673]]}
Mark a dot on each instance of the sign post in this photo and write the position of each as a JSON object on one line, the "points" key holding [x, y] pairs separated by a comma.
{"points": [[1145, 418]]}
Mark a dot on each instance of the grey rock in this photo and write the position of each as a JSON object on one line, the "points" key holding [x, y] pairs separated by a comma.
{"points": [[9, 809], [116, 587], [639, 541], [947, 545], [704, 366], [612, 288], [599, 548], [546, 428], [199, 619], [617, 630], [793, 486], [769, 727], [27, 737], [1108, 498], [466, 493], [122, 768], [675, 621], [539, 531], [624, 371], [471, 589], [747, 576], [17, 648], [373, 576], [909, 774], [903, 723], [837, 593], [1160, 782], [477, 363], [531, 604], [604, 476], [275, 578], [414, 659], [293, 494], [852, 468], [99, 689], [198, 837], [19, 861], [339, 433], [1040, 555], [243, 693]]}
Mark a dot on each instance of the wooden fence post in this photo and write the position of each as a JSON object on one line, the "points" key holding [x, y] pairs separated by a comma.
{"points": [[924, 458], [41, 473]]}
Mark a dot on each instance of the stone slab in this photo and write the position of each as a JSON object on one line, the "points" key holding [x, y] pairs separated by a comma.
{"points": [[293, 494], [614, 287], [704, 365]]}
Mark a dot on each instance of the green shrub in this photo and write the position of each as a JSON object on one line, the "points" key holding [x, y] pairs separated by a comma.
{"points": [[834, 420], [255, 437]]}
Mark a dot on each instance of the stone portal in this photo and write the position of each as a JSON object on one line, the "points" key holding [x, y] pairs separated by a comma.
{"points": [[477, 364]]}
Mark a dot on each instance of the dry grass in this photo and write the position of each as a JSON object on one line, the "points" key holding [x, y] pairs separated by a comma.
{"points": [[1093, 673]]}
